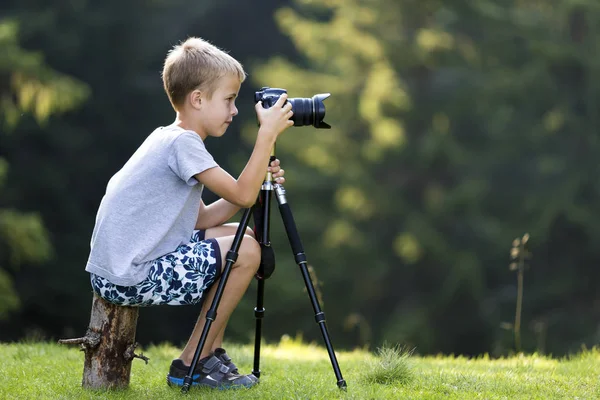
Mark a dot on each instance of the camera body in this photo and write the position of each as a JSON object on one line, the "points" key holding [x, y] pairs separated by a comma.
{"points": [[268, 96], [306, 111]]}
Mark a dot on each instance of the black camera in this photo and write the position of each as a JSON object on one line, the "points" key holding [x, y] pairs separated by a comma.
{"points": [[306, 111]]}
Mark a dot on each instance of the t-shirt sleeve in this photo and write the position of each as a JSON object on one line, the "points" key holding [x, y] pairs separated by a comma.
{"points": [[189, 157]]}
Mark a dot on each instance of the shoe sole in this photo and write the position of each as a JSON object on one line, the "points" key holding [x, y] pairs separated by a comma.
{"points": [[178, 382]]}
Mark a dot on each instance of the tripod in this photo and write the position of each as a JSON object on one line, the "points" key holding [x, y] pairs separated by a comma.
{"points": [[261, 212]]}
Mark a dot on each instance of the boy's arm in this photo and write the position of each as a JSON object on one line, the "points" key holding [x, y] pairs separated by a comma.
{"points": [[221, 211], [215, 214], [243, 191]]}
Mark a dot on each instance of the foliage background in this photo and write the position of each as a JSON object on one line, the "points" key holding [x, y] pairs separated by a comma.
{"points": [[457, 127]]}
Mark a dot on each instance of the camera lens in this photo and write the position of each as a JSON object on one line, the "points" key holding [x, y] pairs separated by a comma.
{"points": [[306, 111], [310, 111]]}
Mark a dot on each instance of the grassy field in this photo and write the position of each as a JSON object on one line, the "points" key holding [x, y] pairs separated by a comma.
{"points": [[293, 370]]}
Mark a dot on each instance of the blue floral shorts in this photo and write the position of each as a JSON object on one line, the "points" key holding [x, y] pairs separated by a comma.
{"points": [[177, 278]]}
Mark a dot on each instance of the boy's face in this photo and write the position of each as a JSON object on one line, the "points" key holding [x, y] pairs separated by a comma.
{"points": [[217, 112]]}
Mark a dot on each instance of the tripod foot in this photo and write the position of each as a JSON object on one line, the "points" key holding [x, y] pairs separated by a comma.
{"points": [[342, 384], [185, 388]]}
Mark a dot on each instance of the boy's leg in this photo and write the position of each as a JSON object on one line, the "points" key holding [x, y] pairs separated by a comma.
{"points": [[242, 273], [217, 232]]}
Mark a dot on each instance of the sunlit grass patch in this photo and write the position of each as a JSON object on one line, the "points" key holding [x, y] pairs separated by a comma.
{"points": [[294, 349], [292, 369], [391, 366]]}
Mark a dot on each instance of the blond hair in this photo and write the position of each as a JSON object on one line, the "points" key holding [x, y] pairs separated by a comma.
{"points": [[196, 64]]}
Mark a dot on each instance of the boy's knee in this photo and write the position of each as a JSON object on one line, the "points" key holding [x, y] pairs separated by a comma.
{"points": [[249, 254], [249, 232], [236, 225]]}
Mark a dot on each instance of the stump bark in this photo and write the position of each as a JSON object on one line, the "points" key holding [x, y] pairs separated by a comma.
{"points": [[109, 345]]}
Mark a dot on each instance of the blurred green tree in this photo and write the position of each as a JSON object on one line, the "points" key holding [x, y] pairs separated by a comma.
{"points": [[27, 86], [456, 127], [117, 48]]}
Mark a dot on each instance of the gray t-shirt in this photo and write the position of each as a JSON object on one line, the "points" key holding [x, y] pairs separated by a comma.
{"points": [[150, 206]]}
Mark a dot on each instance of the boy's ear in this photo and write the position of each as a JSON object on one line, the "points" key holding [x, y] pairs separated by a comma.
{"points": [[195, 98]]}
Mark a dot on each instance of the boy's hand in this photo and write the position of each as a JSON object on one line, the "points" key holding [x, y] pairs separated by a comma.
{"points": [[276, 119], [276, 171]]}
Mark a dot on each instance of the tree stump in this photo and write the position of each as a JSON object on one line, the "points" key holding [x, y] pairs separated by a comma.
{"points": [[109, 345]]}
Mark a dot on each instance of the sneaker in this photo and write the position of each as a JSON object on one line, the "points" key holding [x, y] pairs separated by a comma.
{"points": [[210, 372], [222, 355]]}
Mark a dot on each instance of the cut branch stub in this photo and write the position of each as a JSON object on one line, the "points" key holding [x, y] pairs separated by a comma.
{"points": [[88, 342], [130, 354]]}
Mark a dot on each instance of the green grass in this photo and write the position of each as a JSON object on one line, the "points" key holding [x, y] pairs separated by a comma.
{"points": [[292, 370]]}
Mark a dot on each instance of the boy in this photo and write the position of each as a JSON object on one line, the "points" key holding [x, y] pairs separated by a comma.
{"points": [[155, 241]]}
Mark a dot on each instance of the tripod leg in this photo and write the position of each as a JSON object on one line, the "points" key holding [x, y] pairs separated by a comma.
{"points": [[259, 313], [211, 314], [300, 258], [262, 217]]}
